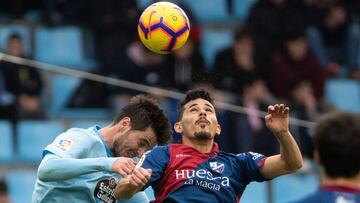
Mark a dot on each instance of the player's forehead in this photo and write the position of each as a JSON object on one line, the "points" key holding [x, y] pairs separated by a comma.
{"points": [[148, 136], [198, 103]]}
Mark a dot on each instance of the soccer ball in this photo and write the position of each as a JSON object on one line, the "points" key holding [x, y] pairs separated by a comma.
{"points": [[163, 27]]}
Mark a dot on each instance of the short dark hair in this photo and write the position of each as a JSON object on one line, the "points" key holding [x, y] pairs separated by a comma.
{"points": [[144, 111], [337, 139], [193, 95], [14, 36]]}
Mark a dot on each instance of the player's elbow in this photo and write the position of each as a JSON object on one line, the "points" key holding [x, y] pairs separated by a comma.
{"points": [[46, 171], [43, 174], [295, 166]]}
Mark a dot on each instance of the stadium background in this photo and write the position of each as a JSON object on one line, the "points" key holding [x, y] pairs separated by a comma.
{"points": [[100, 37]]}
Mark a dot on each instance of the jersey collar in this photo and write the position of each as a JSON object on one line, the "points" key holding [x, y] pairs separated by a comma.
{"points": [[108, 151], [214, 150]]}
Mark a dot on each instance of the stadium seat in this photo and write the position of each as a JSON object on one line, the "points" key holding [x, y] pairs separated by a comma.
{"points": [[241, 8], [34, 136], [205, 12], [213, 41], [22, 30], [62, 46], [344, 94], [255, 192], [293, 187], [62, 88], [6, 143], [20, 185]]}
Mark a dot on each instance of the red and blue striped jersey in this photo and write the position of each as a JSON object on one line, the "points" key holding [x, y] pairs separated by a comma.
{"points": [[182, 174], [333, 194]]}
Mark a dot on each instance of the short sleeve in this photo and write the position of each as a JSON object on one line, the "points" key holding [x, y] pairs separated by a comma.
{"points": [[250, 164], [73, 143], [156, 160]]}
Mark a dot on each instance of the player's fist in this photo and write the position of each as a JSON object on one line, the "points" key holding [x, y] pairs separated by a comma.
{"points": [[277, 119], [140, 177], [123, 166], [133, 183]]}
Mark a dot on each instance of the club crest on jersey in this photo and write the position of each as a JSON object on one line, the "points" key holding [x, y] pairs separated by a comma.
{"points": [[64, 144], [105, 191], [217, 167]]}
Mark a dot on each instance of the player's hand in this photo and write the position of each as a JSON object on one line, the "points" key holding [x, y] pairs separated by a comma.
{"points": [[140, 177], [123, 166], [133, 183], [277, 119]]}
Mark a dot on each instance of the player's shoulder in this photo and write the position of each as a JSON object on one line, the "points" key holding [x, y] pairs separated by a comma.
{"points": [[79, 135], [82, 132], [77, 131], [250, 155], [159, 149]]}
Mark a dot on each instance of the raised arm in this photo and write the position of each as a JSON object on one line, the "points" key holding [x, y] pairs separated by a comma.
{"points": [[289, 160], [56, 168]]}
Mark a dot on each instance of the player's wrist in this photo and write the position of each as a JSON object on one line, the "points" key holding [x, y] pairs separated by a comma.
{"points": [[107, 164], [282, 133]]}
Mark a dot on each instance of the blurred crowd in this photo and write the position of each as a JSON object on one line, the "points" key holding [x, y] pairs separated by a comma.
{"points": [[284, 51]]}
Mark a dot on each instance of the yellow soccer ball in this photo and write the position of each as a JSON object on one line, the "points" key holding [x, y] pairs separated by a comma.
{"points": [[163, 27]]}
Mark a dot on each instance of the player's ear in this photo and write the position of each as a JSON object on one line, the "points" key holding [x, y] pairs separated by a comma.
{"points": [[218, 129], [125, 122], [178, 127]]}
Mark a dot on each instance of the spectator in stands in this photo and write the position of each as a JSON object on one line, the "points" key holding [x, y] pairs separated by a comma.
{"points": [[140, 66], [269, 20], [187, 63], [296, 61], [114, 25], [335, 42], [234, 64], [305, 107], [249, 131], [337, 146], [23, 82]]}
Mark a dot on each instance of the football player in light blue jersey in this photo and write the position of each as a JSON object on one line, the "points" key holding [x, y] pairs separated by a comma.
{"points": [[84, 165]]}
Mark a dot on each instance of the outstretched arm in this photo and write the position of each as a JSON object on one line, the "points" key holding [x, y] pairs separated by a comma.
{"points": [[289, 160], [56, 168]]}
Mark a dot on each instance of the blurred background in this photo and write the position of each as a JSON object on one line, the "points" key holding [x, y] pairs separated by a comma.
{"points": [[250, 53]]}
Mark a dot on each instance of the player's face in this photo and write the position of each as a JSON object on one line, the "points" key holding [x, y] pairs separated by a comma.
{"points": [[199, 120], [134, 143]]}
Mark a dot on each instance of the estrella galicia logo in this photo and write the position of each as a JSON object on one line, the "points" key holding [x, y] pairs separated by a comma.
{"points": [[217, 167], [105, 191]]}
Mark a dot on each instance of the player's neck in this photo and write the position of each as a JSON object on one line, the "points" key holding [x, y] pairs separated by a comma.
{"points": [[107, 136], [200, 145], [353, 182]]}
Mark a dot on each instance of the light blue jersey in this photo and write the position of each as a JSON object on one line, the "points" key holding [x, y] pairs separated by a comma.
{"points": [[76, 167]]}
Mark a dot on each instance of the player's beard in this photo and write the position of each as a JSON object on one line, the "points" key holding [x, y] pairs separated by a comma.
{"points": [[203, 135], [119, 146], [116, 148]]}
